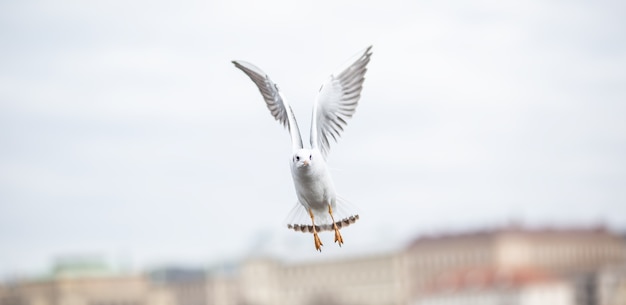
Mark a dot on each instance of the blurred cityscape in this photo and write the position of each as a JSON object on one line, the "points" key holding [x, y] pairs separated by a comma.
{"points": [[509, 265]]}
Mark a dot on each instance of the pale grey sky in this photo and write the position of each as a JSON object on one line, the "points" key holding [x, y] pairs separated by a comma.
{"points": [[125, 131]]}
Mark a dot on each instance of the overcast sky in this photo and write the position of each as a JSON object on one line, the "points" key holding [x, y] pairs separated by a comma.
{"points": [[126, 132]]}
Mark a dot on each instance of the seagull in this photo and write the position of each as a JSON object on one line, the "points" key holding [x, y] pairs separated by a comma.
{"points": [[336, 102]]}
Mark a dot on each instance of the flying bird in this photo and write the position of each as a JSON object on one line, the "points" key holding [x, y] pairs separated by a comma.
{"points": [[336, 102]]}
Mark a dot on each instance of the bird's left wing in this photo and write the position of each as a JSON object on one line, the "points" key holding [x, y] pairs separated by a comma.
{"points": [[274, 100], [336, 102]]}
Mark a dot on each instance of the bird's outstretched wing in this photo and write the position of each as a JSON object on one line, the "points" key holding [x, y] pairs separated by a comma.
{"points": [[336, 102], [276, 103]]}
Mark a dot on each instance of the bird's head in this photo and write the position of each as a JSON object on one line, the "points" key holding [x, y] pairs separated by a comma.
{"points": [[302, 158]]}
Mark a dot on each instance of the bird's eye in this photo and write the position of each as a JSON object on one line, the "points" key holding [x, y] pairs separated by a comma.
{"points": [[310, 157], [297, 158]]}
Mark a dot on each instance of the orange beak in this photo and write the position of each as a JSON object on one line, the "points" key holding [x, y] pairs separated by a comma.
{"points": [[306, 162]]}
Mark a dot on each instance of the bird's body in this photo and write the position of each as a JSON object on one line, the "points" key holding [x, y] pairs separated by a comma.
{"points": [[336, 103], [313, 183]]}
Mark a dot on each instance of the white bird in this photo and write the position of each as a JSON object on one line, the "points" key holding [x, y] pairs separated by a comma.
{"points": [[336, 102]]}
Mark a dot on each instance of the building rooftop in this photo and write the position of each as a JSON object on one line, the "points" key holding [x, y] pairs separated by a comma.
{"points": [[513, 228]]}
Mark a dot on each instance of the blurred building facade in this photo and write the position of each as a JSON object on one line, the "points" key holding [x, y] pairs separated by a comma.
{"points": [[523, 286], [575, 256], [511, 265]]}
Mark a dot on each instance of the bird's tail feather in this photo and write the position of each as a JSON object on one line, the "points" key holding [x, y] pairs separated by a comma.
{"points": [[300, 221], [304, 228]]}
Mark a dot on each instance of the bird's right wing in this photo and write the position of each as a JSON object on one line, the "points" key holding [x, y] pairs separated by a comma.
{"points": [[276, 103]]}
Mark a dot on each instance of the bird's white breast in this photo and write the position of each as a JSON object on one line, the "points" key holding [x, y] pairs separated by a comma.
{"points": [[314, 186]]}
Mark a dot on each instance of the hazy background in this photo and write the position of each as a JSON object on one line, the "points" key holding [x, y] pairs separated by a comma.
{"points": [[126, 132]]}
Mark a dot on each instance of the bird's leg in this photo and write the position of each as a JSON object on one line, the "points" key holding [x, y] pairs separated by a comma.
{"points": [[318, 242], [338, 238]]}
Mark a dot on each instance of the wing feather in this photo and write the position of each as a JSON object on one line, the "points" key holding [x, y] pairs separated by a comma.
{"points": [[276, 103], [337, 101]]}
